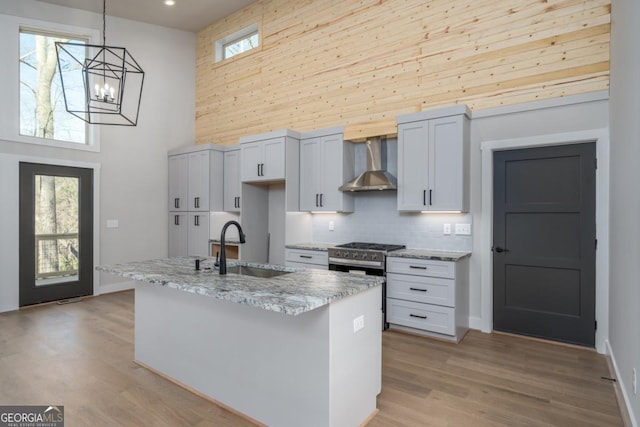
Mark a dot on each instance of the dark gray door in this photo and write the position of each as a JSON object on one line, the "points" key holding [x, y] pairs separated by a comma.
{"points": [[56, 233], [545, 243]]}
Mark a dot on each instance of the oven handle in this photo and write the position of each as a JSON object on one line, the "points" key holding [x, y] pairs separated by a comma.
{"points": [[356, 263]]}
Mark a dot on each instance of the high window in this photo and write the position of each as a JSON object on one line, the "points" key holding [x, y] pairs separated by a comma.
{"points": [[42, 104], [241, 41]]}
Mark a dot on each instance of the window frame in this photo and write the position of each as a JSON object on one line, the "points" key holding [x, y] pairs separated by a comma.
{"points": [[242, 34], [10, 29]]}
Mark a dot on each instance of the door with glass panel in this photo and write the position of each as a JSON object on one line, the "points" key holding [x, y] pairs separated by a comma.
{"points": [[56, 233]]}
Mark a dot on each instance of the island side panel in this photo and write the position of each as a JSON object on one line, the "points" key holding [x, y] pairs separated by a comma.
{"points": [[355, 357], [267, 365]]}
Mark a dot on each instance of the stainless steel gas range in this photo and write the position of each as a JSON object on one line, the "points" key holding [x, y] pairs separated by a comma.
{"points": [[363, 258]]}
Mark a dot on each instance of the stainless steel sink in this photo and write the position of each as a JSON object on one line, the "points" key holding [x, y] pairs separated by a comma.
{"points": [[255, 271]]}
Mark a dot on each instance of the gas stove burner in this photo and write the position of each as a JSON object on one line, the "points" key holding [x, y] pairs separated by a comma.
{"points": [[370, 246]]}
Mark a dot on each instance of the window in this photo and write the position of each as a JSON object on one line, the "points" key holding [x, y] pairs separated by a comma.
{"points": [[238, 42], [42, 104]]}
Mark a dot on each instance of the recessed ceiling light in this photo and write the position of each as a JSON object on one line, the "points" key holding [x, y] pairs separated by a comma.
{"points": [[169, 2]]}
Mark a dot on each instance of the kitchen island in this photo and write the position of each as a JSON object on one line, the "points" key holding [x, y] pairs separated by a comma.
{"points": [[301, 348]]}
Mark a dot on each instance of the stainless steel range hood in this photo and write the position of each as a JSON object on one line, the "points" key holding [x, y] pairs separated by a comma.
{"points": [[375, 177]]}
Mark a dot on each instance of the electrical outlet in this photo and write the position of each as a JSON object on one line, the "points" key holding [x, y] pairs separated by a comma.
{"points": [[112, 223], [358, 323], [634, 381], [463, 229], [332, 225], [446, 230]]}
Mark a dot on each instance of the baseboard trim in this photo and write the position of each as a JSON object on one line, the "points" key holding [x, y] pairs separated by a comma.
{"points": [[116, 287], [624, 403]]}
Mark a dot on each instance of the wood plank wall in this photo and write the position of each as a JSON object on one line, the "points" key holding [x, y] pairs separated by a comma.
{"points": [[346, 62]]}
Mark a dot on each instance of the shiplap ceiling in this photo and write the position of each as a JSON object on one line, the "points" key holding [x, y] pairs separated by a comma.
{"points": [[188, 15]]}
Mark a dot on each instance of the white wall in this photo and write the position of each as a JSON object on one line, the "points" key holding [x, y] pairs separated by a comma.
{"points": [[625, 198], [132, 160]]}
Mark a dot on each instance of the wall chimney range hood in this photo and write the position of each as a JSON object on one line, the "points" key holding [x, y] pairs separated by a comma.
{"points": [[375, 177]]}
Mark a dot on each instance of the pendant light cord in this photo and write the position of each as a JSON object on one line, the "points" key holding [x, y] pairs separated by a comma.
{"points": [[104, 22]]}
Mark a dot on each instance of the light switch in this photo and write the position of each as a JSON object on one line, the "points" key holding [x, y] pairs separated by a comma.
{"points": [[463, 229], [332, 225], [112, 223], [446, 230]]}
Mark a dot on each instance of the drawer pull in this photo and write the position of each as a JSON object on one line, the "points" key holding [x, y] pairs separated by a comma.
{"points": [[418, 267], [417, 289], [418, 316], [306, 256]]}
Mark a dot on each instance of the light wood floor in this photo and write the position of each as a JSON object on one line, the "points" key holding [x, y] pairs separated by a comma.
{"points": [[80, 356]]}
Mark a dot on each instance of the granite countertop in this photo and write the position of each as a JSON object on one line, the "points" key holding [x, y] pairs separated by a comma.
{"points": [[298, 292], [429, 254], [311, 246]]}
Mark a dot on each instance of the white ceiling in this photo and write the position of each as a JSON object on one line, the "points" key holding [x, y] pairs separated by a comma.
{"points": [[188, 15]]}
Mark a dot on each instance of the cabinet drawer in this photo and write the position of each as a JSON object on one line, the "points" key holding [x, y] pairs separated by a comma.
{"points": [[421, 267], [427, 317], [295, 264], [308, 257], [430, 290]]}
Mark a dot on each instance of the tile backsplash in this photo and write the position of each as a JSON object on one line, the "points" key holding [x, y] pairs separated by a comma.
{"points": [[376, 219]]}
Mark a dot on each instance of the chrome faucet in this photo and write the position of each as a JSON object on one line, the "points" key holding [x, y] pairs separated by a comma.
{"points": [[223, 254]]}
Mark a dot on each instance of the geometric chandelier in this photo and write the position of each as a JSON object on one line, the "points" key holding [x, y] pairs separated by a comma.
{"points": [[111, 79]]}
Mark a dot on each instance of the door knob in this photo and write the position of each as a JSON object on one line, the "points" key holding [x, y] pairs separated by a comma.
{"points": [[499, 249]]}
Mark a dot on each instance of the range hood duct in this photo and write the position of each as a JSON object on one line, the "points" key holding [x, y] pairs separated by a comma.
{"points": [[375, 177]]}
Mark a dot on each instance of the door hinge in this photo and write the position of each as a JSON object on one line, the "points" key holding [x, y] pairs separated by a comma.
{"points": [[596, 325], [595, 163]]}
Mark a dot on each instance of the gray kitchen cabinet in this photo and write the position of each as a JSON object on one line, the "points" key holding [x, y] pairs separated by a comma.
{"points": [[195, 189], [232, 180], [433, 160], [178, 234], [263, 160], [307, 258], [326, 162], [178, 182], [429, 297]]}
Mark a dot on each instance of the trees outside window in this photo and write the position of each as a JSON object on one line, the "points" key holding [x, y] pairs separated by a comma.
{"points": [[42, 111]]}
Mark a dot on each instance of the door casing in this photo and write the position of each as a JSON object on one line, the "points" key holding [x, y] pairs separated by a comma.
{"points": [[601, 138]]}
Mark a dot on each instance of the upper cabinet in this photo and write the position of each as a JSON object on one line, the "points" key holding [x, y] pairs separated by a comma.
{"points": [[326, 162], [263, 157], [195, 179], [433, 160]]}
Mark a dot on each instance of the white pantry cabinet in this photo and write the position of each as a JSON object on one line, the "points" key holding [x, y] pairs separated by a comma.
{"points": [[326, 162], [232, 180], [195, 189], [433, 160]]}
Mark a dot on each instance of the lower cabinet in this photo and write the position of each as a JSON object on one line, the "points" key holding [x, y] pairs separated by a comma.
{"points": [[428, 297], [189, 234], [307, 258]]}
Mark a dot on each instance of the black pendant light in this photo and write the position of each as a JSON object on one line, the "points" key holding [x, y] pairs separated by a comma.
{"points": [[111, 78]]}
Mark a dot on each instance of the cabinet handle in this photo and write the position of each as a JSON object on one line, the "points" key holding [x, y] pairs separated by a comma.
{"points": [[418, 316], [262, 169], [430, 197], [306, 256], [176, 202], [424, 197], [258, 169], [317, 200], [418, 267], [196, 220], [321, 194], [196, 202], [418, 289], [176, 219]]}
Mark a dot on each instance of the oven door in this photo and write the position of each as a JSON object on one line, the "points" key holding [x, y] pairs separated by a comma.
{"points": [[358, 269]]}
